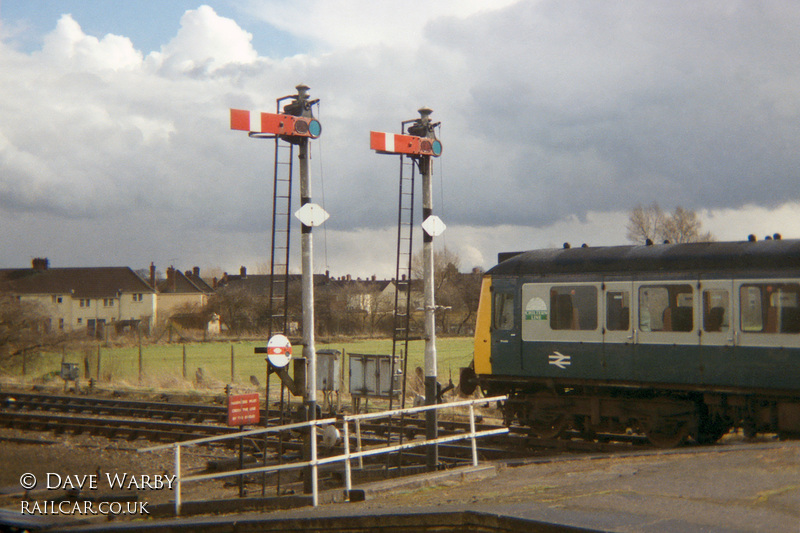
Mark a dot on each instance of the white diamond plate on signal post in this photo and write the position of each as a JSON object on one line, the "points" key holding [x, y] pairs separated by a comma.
{"points": [[433, 226], [312, 215]]}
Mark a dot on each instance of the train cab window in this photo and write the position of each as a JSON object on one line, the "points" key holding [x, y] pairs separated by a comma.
{"points": [[618, 305], [666, 308], [503, 317], [715, 310], [573, 307], [770, 308]]}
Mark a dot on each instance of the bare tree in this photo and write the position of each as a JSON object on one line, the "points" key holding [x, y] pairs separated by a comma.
{"points": [[22, 327], [684, 226], [645, 223], [652, 224]]}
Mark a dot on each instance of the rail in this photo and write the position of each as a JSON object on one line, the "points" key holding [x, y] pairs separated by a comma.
{"points": [[347, 456]]}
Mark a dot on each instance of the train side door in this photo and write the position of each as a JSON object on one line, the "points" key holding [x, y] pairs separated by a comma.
{"points": [[667, 340], [506, 357], [618, 312], [717, 332], [618, 328], [716, 312]]}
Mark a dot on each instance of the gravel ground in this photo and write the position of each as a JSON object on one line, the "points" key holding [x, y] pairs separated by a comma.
{"points": [[68, 456], [742, 486]]}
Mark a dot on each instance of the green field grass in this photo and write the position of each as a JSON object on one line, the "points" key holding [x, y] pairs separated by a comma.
{"points": [[163, 364]]}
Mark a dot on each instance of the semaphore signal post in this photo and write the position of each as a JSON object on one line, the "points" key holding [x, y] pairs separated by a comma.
{"points": [[421, 144], [295, 125]]}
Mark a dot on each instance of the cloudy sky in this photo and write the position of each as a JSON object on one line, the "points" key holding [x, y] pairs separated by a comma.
{"points": [[558, 117]]}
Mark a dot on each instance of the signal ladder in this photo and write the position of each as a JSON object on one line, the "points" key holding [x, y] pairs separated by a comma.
{"points": [[278, 311], [402, 298]]}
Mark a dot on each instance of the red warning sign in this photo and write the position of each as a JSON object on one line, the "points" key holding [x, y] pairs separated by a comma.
{"points": [[243, 409]]}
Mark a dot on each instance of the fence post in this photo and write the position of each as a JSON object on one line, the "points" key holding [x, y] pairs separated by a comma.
{"points": [[98, 362], [140, 357], [314, 466], [184, 361], [358, 444], [472, 434], [233, 366], [348, 482], [177, 480]]}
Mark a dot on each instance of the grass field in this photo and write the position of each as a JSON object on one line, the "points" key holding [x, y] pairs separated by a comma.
{"points": [[162, 364]]}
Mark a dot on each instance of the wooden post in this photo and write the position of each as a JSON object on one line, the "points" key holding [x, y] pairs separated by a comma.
{"points": [[233, 367], [140, 358], [184, 361], [98, 362]]}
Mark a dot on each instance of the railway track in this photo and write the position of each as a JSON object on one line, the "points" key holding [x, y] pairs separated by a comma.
{"points": [[175, 421], [171, 422]]}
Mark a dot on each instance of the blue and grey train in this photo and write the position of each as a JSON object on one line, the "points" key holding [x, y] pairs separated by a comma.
{"points": [[670, 340]]}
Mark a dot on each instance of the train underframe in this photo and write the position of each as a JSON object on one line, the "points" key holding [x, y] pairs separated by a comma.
{"points": [[667, 416]]}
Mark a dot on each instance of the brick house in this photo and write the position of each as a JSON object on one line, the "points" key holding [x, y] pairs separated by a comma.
{"points": [[85, 297]]}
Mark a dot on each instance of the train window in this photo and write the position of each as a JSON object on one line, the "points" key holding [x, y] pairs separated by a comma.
{"points": [[503, 310], [573, 307], [715, 310], [666, 308], [618, 305], [770, 308]]}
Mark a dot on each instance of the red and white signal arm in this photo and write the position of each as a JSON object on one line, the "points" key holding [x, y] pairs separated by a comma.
{"points": [[279, 351], [393, 143], [275, 124]]}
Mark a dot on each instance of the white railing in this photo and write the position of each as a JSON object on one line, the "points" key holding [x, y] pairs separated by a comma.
{"points": [[347, 456]]}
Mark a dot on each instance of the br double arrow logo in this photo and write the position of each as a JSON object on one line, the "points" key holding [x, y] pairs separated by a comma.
{"points": [[560, 360]]}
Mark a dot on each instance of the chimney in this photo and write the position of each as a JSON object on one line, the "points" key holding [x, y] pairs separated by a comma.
{"points": [[171, 279], [214, 282], [196, 272], [243, 271], [40, 263]]}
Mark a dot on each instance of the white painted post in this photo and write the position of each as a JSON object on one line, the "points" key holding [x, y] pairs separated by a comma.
{"points": [[177, 480], [314, 466], [348, 482], [472, 433]]}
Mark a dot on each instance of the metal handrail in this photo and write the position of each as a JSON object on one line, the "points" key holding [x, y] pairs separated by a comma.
{"points": [[347, 456]]}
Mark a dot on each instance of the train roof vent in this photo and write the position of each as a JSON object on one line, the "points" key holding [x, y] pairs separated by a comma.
{"points": [[503, 256]]}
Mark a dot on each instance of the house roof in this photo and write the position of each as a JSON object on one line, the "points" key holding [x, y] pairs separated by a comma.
{"points": [[259, 283], [183, 284], [83, 282]]}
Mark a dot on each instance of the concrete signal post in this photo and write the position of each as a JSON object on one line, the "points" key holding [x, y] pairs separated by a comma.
{"points": [[421, 145], [296, 125]]}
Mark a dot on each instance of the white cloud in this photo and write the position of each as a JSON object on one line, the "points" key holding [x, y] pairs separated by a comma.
{"points": [[205, 42], [68, 45], [347, 24], [557, 118]]}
